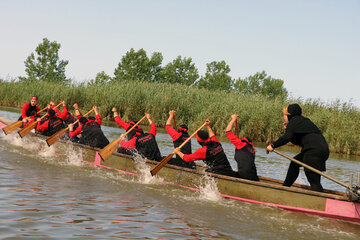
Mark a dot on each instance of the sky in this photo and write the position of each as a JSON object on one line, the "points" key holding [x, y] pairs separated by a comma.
{"points": [[313, 45]]}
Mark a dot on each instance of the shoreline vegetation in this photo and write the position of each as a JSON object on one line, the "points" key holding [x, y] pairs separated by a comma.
{"points": [[260, 118]]}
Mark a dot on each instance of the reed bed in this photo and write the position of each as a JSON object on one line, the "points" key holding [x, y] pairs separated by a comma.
{"points": [[260, 118]]}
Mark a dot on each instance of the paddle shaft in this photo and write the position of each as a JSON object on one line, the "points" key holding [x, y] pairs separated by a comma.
{"points": [[313, 169], [174, 123], [134, 125], [163, 162], [236, 128]]}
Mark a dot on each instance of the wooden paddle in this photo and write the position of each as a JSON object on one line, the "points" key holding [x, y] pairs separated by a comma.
{"points": [[111, 147], [169, 157], [236, 128], [23, 132], [174, 123], [52, 139], [355, 190], [17, 124]]}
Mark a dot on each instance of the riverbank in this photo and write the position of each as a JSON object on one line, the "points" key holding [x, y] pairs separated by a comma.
{"points": [[260, 118]]}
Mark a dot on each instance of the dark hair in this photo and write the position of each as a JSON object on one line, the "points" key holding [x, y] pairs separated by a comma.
{"points": [[294, 110], [51, 112], [83, 120], [203, 134], [92, 118]]}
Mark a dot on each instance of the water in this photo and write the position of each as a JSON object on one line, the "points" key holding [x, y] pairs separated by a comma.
{"points": [[47, 196]]}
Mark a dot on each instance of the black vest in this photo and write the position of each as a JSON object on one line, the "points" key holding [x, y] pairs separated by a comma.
{"points": [[92, 135], [55, 125], [31, 110], [70, 119], [215, 156], [245, 158], [147, 146], [186, 149]]}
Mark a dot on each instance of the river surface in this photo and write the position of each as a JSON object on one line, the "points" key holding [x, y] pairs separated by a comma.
{"points": [[45, 196]]}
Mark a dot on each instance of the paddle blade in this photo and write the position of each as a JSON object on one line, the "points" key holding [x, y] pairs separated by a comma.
{"points": [[109, 149], [8, 129], [23, 132], [51, 140], [161, 164]]}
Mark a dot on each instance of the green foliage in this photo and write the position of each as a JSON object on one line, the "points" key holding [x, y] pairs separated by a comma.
{"points": [[100, 79], [136, 66], [181, 71], [260, 84], [260, 118], [46, 66], [216, 77]]}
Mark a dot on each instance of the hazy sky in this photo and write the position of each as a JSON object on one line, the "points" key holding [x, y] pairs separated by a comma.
{"points": [[313, 45]]}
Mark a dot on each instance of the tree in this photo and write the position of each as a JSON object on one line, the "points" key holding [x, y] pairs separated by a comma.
{"points": [[261, 84], [46, 66], [136, 66], [216, 77], [180, 71], [100, 79]]}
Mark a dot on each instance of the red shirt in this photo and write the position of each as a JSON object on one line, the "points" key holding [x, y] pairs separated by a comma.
{"points": [[79, 128], [200, 154], [235, 140], [25, 108], [172, 132], [131, 144]]}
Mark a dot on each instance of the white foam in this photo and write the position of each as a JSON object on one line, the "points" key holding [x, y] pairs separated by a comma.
{"points": [[74, 156], [144, 171], [209, 190]]}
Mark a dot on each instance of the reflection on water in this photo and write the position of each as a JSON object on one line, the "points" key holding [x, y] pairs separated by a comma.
{"points": [[47, 196]]}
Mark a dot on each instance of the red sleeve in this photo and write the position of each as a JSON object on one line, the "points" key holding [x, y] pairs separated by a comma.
{"points": [[172, 132], [200, 154], [63, 115], [42, 127], [131, 144], [235, 140], [213, 138], [55, 109], [78, 116], [76, 132], [153, 129], [24, 109], [121, 123], [98, 119]]}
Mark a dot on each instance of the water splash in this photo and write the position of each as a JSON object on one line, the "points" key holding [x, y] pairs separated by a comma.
{"points": [[208, 189], [144, 170], [74, 156]]}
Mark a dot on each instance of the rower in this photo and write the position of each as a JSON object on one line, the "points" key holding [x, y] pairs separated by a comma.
{"points": [[90, 130], [65, 114], [51, 125], [178, 138], [144, 143], [211, 153], [29, 111], [244, 153]]}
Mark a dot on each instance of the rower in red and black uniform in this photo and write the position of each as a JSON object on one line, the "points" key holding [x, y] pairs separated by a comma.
{"points": [[126, 127], [90, 130], [29, 111], [65, 114], [211, 153], [303, 132], [144, 143], [178, 138], [51, 125], [244, 153]]}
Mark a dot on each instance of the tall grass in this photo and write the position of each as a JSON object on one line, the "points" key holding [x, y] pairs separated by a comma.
{"points": [[260, 118]]}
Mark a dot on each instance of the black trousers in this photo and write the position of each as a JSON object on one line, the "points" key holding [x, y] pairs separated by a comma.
{"points": [[312, 177]]}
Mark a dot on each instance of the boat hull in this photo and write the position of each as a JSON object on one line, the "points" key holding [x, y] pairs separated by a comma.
{"points": [[268, 192]]}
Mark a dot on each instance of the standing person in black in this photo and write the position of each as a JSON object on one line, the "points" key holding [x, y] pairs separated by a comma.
{"points": [[244, 153], [211, 153], [178, 138], [303, 132]]}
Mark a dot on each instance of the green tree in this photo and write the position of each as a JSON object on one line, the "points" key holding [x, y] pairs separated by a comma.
{"points": [[100, 79], [216, 77], [45, 65], [180, 71], [136, 66], [261, 84]]}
